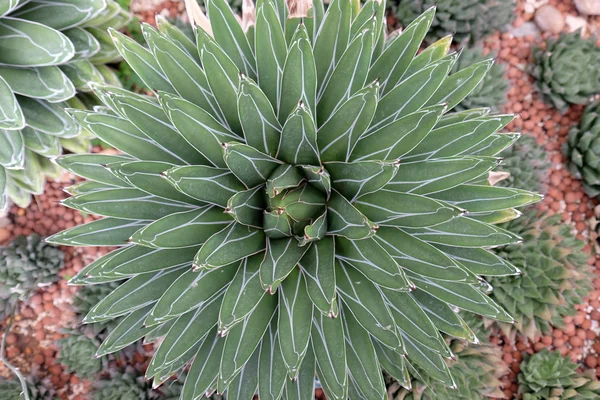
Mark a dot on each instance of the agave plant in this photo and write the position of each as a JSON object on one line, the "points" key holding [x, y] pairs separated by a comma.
{"points": [[295, 200], [49, 51]]}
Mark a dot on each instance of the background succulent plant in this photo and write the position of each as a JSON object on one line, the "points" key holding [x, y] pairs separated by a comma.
{"points": [[528, 164], [583, 149], [49, 51], [567, 71], [491, 92], [315, 221], [26, 264], [468, 20], [77, 353], [548, 375], [555, 275], [11, 389]]}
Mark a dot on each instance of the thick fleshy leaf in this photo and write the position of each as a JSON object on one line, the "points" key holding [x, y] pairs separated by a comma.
{"points": [[262, 130], [432, 176], [301, 204], [390, 208], [249, 165], [495, 144], [271, 369], [363, 367], [31, 44], [303, 387], [429, 361], [243, 339], [394, 140], [430, 55], [299, 79], [281, 257], [47, 83], [365, 301], [190, 291], [353, 180], [271, 51], [90, 166], [242, 295], [420, 257], [126, 203], [332, 39], [344, 219], [393, 363], [277, 224], [38, 142], [109, 52], [217, 250], [330, 353], [134, 294], [177, 36], [198, 127], [202, 376], [391, 66], [337, 138], [314, 231], [208, 184], [130, 330], [83, 74], [60, 14], [12, 149], [317, 177], [299, 138], [480, 261], [349, 75], [103, 232], [247, 206], [85, 44], [317, 266], [295, 321], [11, 115], [479, 198], [284, 177], [47, 117], [373, 261], [244, 385], [184, 229]]}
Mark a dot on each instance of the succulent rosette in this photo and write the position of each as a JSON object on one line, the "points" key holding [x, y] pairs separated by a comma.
{"points": [[296, 200]]}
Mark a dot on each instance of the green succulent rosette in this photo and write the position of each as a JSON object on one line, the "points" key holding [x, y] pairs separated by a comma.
{"points": [[295, 200], [528, 164]]}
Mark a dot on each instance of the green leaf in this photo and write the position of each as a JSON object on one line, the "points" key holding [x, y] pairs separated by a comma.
{"points": [[299, 138], [247, 206], [277, 224], [130, 330], [332, 39], [11, 115], [60, 14], [295, 321], [394, 140], [47, 117], [420, 257], [38, 142], [184, 229], [373, 261], [191, 290], [494, 144], [91, 166], [430, 362], [8, 6], [393, 363], [271, 369], [243, 339], [433, 176], [391, 66], [208, 184], [217, 252], [465, 232], [430, 55], [314, 231], [126, 203], [223, 78], [198, 127], [83, 74], [134, 294], [318, 177], [249, 165], [242, 295], [344, 219], [245, 384], [457, 139], [390, 208], [284, 177], [229, 35], [303, 387], [330, 353], [12, 149], [103, 232], [363, 366], [143, 63], [365, 301], [177, 36], [202, 376], [355, 179], [47, 83], [262, 130], [479, 198], [31, 44], [349, 75], [299, 80], [338, 136], [317, 266], [108, 53], [281, 258], [271, 50], [480, 261]]}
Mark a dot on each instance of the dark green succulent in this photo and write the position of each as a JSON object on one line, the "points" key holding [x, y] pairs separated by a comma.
{"points": [[26, 264], [468, 20], [548, 375], [11, 389], [555, 275], [528, 164], [583, 149], [77, 352], [567, 70]]}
